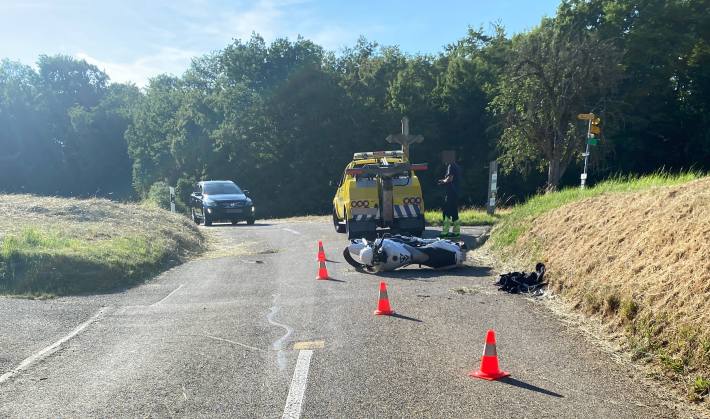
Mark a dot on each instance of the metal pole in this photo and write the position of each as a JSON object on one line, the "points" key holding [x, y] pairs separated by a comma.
{"points": [[583, 177], [172, 199], [492, 187]]}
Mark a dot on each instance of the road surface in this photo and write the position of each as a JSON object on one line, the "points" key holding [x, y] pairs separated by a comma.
{"points": [[247, 331]]}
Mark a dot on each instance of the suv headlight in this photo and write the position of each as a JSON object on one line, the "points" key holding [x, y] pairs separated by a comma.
{"points": [[209, 203], [249, 203]]}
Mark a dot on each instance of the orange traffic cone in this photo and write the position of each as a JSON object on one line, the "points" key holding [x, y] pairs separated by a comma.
{"points": [[322, 271], [383, 305], [321, 252], [489, 369]]}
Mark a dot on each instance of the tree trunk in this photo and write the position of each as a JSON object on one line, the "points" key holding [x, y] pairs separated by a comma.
{"points": [[553, 175]]}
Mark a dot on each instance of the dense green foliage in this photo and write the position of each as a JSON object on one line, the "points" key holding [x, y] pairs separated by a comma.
{"points": [[62, 129], [282, 119]]}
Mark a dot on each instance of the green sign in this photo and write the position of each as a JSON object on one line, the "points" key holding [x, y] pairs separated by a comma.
{"points": [[592, 141]]}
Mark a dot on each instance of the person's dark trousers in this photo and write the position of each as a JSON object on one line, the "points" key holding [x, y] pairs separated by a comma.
{"points": [[451, 213]]}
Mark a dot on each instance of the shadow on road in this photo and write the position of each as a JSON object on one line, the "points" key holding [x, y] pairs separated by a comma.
{"points": [[242, 225], [403, 317], [517, 383], [336, 280]]}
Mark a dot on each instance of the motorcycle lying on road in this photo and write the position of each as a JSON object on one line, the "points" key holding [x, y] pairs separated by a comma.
{"points": [[392, 252]]}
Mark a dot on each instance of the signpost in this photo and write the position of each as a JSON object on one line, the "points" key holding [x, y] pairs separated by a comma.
{"points": [[593, 129], [172, 199], [492, 187]]}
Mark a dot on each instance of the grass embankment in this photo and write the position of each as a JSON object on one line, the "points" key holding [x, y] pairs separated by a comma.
{"points": [[57, 246], [467, 216], [635, 253]]}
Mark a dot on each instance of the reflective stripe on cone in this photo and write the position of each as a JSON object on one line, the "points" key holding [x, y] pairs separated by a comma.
{"points": [[489, 369]]}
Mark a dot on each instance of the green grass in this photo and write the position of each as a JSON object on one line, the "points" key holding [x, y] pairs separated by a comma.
{"points": [[519, 219], [59, 246], [700, 388], [468, 217]]}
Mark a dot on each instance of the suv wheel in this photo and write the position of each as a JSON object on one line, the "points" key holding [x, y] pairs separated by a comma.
{"points": [[194, 217], [251, 221]]}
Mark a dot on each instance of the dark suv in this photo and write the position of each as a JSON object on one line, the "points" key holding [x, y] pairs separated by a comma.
{"points": [[221, 200]]}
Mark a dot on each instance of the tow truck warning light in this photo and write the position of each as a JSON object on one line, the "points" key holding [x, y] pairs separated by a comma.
{"points": [[374, 154], [369, 168]]}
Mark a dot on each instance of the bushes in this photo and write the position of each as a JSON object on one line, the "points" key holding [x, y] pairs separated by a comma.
{"points": [[159, 195]]}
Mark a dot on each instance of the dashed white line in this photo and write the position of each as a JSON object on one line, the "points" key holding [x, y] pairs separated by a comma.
{"points": [[43, 353], [294, 401], [168, 296], [233, 342], [291, 231]]}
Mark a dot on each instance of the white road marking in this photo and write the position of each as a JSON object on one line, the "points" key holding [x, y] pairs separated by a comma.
{"points": [[168, 296], [43, 353], [291, 231], [294, 401], [233, 342]]}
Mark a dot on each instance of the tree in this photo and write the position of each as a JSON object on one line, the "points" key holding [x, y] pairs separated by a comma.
{"points": [[555, 73]]}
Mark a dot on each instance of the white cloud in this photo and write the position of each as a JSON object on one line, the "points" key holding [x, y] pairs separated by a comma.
{"points": [[166, 60], [268, 18], [198, 27], [271, 19]]}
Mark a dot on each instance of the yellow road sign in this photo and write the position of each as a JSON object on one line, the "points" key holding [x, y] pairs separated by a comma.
{"points": [[594, 129], [585, 116]]}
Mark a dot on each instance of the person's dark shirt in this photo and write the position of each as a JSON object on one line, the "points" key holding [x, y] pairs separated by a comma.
{"points": [[453, 170]]}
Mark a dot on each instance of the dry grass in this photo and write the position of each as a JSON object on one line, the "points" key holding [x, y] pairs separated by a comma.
{"points": [[641, 262], [67, 246]]}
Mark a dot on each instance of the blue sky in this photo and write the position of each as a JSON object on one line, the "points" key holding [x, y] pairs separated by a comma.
{"points": [[133, 40]]}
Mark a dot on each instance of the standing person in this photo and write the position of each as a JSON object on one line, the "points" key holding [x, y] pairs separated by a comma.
{"points": [[452, 185]]}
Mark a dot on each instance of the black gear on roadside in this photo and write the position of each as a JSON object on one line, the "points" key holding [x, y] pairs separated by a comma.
{"points": [[521, 282]]}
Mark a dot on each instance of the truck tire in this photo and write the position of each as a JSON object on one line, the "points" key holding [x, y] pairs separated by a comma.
{"points": [[339, 228]]}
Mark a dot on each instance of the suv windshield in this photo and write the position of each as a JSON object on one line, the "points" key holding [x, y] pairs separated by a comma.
{"points": [[221, 188]]}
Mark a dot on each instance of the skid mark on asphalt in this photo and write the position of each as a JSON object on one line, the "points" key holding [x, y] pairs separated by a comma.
{"points": [[292, 231], [279, 343], [45, 352], [294, 401]]}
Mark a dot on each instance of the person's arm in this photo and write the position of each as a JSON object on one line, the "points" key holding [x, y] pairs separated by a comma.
{"points": [[448, 178]]}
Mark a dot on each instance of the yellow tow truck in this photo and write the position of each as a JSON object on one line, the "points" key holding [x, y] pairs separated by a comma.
{"points": [[379, 190]]}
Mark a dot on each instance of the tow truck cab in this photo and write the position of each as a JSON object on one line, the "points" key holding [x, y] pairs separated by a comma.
{"points": [[379, 190]]}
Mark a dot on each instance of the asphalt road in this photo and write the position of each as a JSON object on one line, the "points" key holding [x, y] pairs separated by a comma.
{"points": [[249, 332]]}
